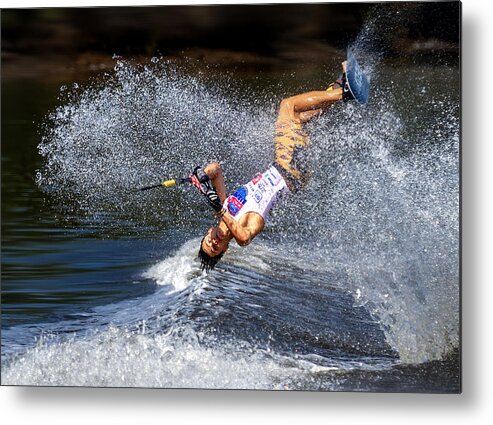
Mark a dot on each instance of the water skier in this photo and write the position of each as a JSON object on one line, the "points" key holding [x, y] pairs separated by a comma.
{"points": [[242, 215]]}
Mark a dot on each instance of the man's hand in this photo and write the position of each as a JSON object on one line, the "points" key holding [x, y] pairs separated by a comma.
{"points": [[202, 182], [200, 174]]}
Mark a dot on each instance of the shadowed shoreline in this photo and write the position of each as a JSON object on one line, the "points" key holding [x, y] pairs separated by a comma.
{"points": [[68, 43]]}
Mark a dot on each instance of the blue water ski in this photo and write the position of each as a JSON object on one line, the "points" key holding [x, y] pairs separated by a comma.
{"points": [[357, 80]]}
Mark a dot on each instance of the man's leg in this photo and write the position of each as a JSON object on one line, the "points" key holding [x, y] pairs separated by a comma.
{"points": [[291, 141], [302, 107]]}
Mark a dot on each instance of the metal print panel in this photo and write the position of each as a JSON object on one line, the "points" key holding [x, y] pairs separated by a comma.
{"points": [[191, 198]]}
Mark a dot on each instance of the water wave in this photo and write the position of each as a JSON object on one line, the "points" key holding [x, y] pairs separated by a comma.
{"points": [[180, 359]]}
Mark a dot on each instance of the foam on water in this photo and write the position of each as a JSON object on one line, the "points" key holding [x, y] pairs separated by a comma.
{"points": [[179, 270], [181, 358], [125, 359]]}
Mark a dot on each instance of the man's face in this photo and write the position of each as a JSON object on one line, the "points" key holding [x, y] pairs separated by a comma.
{"points": [[215, 242]]}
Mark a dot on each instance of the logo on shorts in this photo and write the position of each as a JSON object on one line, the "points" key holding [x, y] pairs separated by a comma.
{"points": [[259, 191], [237, 200], [257, 179], [272, 178]]}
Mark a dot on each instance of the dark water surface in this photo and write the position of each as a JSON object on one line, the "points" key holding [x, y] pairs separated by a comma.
{"points": [[354, 285]]}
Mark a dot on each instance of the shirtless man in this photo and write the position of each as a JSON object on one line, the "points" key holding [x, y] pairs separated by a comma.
{"points": [[242, 215]]}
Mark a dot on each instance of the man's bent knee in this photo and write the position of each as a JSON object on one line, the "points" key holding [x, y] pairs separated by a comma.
{"points": [[286, 110]]}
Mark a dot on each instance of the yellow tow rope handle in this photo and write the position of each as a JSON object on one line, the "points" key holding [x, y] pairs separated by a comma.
{"points": [[169, 183]]}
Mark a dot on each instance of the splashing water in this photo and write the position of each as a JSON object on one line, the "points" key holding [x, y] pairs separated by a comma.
{"points": [[140, 125]]}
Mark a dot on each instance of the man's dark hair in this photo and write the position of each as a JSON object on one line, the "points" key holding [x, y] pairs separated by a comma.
{"points": [[208, 262]]}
